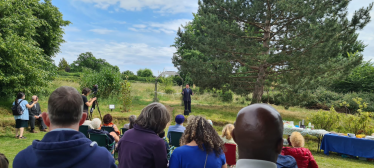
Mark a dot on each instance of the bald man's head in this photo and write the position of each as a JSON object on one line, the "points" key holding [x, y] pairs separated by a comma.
{"points": [[259, 132]]}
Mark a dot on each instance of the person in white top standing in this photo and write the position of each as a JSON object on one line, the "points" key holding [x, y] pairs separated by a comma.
{"points": [[258, 133]]}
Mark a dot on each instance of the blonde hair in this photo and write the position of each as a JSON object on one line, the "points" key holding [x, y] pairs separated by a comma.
{"points": [[227, 130], [297, 140]]}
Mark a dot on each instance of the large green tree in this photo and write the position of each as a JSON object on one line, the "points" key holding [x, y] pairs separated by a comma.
{"points": [[144, 72], [25, 61], [88, 60], [246, 45], [63, 64]]}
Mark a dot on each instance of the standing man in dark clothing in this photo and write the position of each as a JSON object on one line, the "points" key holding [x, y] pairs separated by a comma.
{"points": [[187, 92], [36, 114]]}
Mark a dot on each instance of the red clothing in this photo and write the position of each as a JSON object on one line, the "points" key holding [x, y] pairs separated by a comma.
{"points": [[303, 156]]}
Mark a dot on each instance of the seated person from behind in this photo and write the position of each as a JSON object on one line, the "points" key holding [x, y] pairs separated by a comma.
{"points": [[258, 133], [162, 136], [36, 114], [201, 146], [96, 124], [178, 127], [227, 138], [303, 156], [64, 146], [88, 123], [108, 123], [130, 125], [286, 162]]}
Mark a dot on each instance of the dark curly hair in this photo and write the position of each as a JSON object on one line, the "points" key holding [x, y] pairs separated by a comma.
{"points": [[107, 118], [200, 131]]}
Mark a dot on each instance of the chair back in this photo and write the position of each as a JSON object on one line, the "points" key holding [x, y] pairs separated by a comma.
{"points": [[230, 153], [84, 129], [174, 138], [100, 139], [108, 129], [123, 130]]}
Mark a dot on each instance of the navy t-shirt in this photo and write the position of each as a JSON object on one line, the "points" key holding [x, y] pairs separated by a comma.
{"points": [[192, 156]]}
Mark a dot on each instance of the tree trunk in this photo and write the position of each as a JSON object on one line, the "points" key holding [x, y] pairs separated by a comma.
{"points": [[259, 87]]}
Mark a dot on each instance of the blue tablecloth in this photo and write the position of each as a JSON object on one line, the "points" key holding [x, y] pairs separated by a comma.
{"points": [[347, 145]]}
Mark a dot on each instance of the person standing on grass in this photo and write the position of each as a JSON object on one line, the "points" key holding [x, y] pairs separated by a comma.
{"points": [[187, 92], [64, 146], [86, 104], [258, 133], [36, 114], [22, 120]]}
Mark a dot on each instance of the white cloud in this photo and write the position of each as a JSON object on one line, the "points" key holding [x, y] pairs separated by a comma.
{"points": [[72, 29], [141, 26], [124, 55], [169, 27], [101, 31], [161, 6]]}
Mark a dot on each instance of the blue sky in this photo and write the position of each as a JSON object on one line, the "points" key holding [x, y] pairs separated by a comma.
{"points": [[137, 34]]}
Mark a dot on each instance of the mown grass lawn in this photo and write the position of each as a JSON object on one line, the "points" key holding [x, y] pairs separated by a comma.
{"points": [[220, 113]]}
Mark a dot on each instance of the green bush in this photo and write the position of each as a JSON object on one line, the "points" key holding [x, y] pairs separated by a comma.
{"points": [[227, 96], [169, 90], [146, 79], [108, 79], [133, 77], [320, 98], [327, 120], [358, 123], [64, 73]]}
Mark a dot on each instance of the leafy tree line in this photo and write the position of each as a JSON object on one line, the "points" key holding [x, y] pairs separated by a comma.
{"points": [[88, 60], [246, 46], [31, 33]]}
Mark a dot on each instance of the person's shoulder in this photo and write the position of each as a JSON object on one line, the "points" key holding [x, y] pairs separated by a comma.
{"points": [[20, 157], [171, 127], [180, 150], [101, 152]]}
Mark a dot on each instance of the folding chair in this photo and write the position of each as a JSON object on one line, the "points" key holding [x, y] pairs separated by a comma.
{"points": [[109, 129], [230, 153], [84, 129], [174, 140], [123, 130], [101, 140]]}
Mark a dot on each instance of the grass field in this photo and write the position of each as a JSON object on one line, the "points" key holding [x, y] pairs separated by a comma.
{"points": [[205, 105]]}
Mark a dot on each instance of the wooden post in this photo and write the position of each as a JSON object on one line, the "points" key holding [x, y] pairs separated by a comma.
{"points": [[155, 99]]}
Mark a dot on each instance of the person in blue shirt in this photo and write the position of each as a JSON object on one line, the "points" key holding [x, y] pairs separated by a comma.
{"points": [[22, 120], [202, 147], [178, 127]]}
